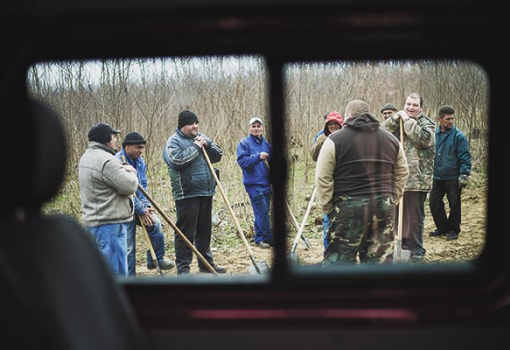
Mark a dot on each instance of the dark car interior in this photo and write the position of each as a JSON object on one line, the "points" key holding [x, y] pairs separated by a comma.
{"points": [[57, 293]]}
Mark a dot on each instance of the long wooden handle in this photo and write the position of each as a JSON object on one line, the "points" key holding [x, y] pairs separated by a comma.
{"points": [[401, 203], [184, 238], [303, 223], [238, 226], [149, 243]]}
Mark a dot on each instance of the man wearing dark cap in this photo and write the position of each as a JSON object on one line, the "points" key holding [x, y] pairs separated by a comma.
{"points": [[388, 110], [131, 152], [193, 187], [106, 189]]}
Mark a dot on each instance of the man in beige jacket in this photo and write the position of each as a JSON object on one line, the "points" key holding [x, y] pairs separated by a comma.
{"points": [[360, 176]]}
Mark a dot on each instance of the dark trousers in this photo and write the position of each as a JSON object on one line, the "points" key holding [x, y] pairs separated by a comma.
{"points": [[194, 221], [451, 189], [412, 224]]}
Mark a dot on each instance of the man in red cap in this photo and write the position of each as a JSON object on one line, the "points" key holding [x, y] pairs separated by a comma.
{"points": [[333, 121]]}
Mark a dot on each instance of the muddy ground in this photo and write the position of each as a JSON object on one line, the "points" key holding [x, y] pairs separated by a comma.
{"points": [[236, 259]]}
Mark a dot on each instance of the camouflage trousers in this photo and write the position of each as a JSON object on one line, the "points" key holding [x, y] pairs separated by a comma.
{"points": [[360, 225]]}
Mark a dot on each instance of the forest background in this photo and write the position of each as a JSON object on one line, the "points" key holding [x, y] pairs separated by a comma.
{"points": [[146, 95]]}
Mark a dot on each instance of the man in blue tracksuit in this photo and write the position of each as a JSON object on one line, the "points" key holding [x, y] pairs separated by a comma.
{"points": [[132, 149], [452, 167], [253, 153]]}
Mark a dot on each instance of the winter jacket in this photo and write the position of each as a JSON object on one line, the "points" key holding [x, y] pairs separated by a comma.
{"points": [[190, 174], [419, 145], [106, 188], [255, 171], [361, 159], [141, 202], [315, 148], [452, 154]]}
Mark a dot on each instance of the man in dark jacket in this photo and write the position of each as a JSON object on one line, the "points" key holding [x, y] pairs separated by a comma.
{"points": [[360, 177], [193, 187], [252, 154], [452, 166], [132, 149]]}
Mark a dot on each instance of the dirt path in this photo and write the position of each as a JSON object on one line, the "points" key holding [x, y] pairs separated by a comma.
{"points": [[467, 247]]}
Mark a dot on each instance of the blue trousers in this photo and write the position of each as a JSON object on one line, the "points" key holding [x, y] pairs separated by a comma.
{"points": [[325, 223], [157, 240], [111, 240], [260, 198]]}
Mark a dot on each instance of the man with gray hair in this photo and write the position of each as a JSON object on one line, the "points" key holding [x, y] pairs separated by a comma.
{"points": [[360, 176]]}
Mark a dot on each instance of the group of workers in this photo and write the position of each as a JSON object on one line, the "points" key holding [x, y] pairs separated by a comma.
{"points": [[363, 170]]}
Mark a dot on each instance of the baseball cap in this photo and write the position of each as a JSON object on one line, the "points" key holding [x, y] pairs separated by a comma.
{"points": [[255, 119]]}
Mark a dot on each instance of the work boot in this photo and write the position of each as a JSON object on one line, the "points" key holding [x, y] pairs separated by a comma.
{"points": [[270, 242], [436, 233], [263, 245], [218, 269], [452, 235], [164, 264], [417, 257]]}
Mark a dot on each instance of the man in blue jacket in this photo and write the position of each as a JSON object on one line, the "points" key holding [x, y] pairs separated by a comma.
{"points": [[452, 167], [193, 187], [253, 153], [132, 149]]}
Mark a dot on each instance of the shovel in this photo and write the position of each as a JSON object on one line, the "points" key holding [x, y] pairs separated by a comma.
{"points": [[400, 256], [151, 248], [293, 255], [257, 268], [294, 221]]}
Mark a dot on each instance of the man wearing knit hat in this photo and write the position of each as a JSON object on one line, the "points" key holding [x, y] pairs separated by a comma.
{"points": [[132, 149], [388, 110], [106, 189], [193, 187]]}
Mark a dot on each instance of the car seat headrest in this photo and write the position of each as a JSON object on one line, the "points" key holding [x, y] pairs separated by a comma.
{"points": [[43, 159]]}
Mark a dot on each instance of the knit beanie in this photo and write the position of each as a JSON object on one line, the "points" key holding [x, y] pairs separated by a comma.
{"points": [[101, 132], [389, 106], [333, 116], [133, 138], [186, 117]]}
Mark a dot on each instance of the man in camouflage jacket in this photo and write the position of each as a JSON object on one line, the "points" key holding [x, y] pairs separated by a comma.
{"points": [[419, 145]]}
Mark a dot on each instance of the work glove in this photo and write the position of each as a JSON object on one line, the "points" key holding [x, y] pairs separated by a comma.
{"points": [[463, 180]]}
